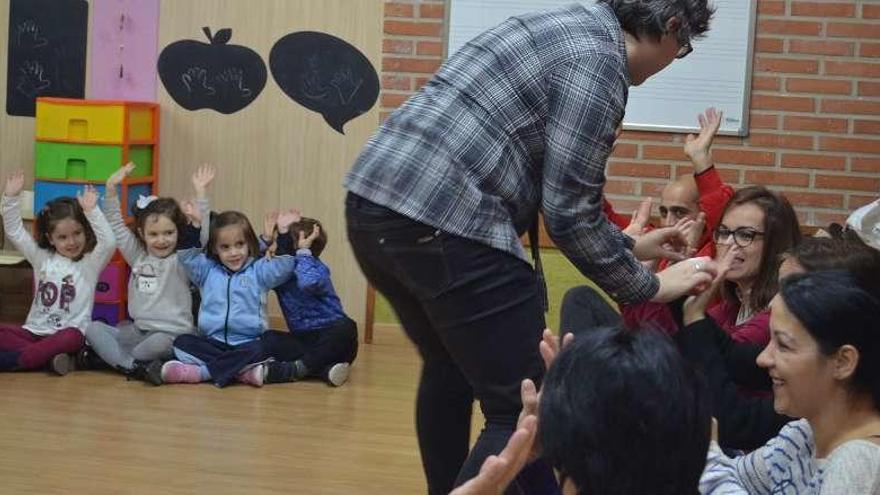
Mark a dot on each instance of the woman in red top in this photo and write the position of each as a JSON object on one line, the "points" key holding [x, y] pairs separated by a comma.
{"points": [[757, 226]]}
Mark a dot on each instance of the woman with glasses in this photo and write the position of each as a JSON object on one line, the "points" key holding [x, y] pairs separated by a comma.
{"points": [[747, 422], [757, 226]]}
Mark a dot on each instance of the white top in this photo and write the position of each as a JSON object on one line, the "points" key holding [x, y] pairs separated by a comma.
{"points": [[159, 298], [65, 289], [786, 465]]}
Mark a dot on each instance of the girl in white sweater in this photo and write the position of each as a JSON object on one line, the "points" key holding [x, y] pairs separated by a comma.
{"points": [[73, 245]]}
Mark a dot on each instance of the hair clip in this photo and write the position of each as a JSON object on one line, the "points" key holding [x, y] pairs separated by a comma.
{"points": [[144, 201]]}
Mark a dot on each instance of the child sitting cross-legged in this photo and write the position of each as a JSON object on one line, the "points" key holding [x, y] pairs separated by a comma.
{"points": [[323, 340]]}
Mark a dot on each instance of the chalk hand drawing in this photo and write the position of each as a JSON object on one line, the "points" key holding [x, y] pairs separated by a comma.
{"points": [[27, 34], [196, 81], [31, 79], [233, 79], [345, 84]]}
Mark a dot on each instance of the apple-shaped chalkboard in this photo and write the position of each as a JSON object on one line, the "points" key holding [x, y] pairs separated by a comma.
{"points": [[214, 75], [325, 74]]}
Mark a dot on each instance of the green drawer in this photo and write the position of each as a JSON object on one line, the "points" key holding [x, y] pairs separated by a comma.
{"points": [[90, 162]]}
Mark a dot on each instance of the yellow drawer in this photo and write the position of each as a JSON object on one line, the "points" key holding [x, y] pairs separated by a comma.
{"points": [[94, 121]]}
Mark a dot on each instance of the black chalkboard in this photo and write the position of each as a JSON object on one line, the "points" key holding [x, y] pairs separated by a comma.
{"points": [[215, 75], [47, 52], [325, 74]]}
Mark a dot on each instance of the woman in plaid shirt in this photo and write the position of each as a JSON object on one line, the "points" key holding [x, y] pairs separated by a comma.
{"points": [[519, 120]]}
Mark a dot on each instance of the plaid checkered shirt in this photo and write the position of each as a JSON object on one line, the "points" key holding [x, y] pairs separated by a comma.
{"points": [[520, 119]]}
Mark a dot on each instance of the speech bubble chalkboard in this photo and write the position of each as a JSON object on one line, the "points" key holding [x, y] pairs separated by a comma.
{"points": [[46, 52], [325, 74], [216, 75]]}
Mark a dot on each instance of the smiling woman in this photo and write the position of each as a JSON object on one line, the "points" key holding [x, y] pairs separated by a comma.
{"points": [[824, 359]]}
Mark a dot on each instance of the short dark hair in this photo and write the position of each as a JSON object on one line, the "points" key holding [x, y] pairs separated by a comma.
{"points": [[837, 309], [623, 412], [57, 210], [821, 254], [307, 225], [781, 232], [226, 219], [649, 17], [166, 207]]}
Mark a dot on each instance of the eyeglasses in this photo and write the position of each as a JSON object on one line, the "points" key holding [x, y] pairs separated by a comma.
{"points": [[677, 211], [684, 50], [742, 236]]}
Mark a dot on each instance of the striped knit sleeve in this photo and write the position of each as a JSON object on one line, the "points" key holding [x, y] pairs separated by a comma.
{"points": [[784, 461]]}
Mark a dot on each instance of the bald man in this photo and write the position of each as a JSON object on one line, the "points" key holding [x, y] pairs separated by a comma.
{"points": [[703, 191], [688, 195]]}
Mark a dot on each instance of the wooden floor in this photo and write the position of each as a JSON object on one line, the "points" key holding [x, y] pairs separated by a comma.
{"points": [[93, 432]]}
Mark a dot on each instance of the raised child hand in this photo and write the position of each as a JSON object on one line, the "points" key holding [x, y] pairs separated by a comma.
{"points": [[88, 198], [697, 148], [117, 178], [14, 183], [269, 220], [202, 178], [192, 212], [306, 242], [286, 219]]}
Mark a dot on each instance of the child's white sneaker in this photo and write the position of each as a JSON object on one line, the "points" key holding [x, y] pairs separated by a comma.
{"points": [[338, 374]]}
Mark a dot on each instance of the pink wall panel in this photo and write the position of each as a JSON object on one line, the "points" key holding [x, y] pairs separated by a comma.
{"points": [[123, 50]]}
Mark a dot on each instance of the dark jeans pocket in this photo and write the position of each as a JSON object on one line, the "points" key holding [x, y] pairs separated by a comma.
{"points": [[417, 256]]}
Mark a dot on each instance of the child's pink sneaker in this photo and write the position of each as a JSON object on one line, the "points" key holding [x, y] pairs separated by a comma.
{"points": [[177, 372], [255, 375]]}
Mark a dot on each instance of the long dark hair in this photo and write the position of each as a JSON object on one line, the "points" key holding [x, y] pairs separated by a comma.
{"points": [[226, 219], [781, 233], [57, 210], [837, 309]]}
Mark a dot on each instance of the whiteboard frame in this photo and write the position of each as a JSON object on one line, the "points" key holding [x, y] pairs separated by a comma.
{"points": [[743, 130]]}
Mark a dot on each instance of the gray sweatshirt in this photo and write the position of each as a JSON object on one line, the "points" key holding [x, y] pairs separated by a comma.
{"points": [[159, 298]]}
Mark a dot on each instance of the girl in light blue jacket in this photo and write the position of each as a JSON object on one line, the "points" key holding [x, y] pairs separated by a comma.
{"points": [[233, 282]]}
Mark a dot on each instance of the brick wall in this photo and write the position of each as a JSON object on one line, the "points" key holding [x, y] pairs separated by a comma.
{"points": [[815, 106]]}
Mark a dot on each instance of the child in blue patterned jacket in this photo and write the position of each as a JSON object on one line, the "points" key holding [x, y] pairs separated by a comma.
{"points": [[322, 340]]}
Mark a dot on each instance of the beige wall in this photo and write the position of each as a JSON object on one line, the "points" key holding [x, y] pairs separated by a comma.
{"points": [[274, 153]]}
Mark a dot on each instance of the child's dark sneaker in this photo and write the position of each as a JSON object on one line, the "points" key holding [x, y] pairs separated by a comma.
{"points": [[149, 372], [87, 359], [280, 372], [9, 360], [61, 364], [337, 374]]}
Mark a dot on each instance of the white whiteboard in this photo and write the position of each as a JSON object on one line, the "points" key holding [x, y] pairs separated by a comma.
{"points": [[717, 73]]}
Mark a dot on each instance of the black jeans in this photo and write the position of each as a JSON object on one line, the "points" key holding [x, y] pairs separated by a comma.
{"points": [[318, 348], [475, 316], [583, 310]]}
